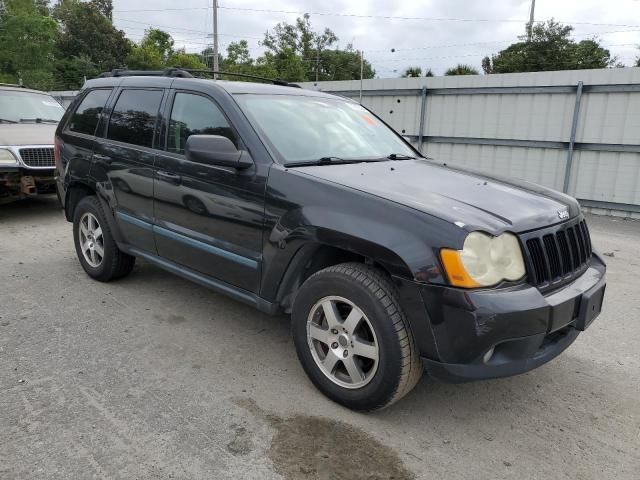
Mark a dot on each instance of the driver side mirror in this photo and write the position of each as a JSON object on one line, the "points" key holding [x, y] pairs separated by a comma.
{"points": [[215, 150]]}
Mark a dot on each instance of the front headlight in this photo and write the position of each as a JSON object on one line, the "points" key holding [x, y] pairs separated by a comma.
{"points": [[6, 157], [484, 260]]}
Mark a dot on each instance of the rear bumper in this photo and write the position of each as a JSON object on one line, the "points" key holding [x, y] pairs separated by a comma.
{"points": [[499, 333]]}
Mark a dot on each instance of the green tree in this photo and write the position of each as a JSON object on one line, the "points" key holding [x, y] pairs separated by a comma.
{"points": [[27, 43], [87, 33], [239, 60], [638, 60], [429, 73], [344, 64], [412, 72], [180, 58], [155, 51], [551, 48], [298, 53], [461, 69], [158, 40], [298, 40]]}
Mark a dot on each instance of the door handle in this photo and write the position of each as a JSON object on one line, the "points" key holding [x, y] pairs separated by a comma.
{"points": [[170, 177], [103, 158]]}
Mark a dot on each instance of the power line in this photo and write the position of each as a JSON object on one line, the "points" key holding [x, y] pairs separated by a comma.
{"points": [[382, 17], [430, 19]]}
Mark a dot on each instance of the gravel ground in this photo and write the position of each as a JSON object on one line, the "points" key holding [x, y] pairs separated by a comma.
{"points": [[155, 377]]}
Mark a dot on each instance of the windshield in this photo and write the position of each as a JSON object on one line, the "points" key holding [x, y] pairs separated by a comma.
{"points": [[306, 129], [16, 106]]}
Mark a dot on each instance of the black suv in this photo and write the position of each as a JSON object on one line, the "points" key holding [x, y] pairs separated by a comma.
{"points": [[305, 203]]}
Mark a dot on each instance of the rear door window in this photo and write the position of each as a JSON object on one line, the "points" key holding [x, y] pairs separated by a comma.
{"points": [[134, 117], [86, 117]]}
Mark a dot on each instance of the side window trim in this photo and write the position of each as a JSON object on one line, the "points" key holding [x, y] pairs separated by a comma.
{"points": [[169, 110], [114, 102], [67, 125]]}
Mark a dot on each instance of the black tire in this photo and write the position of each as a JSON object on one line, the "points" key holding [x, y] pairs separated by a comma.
{"points": [[399, 366], [115, 263]]}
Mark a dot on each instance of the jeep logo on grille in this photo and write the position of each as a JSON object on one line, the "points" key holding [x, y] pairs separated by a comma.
{"points": [[563, 214]]}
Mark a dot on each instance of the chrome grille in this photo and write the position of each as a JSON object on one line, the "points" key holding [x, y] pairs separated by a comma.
{"points": [[38, 157], [555, 256]]}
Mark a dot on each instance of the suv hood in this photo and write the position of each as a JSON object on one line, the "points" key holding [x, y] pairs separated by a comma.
{"points": [[471, 200], [17, 134]]}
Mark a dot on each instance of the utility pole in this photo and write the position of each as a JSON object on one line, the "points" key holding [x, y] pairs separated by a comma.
{"points": [[531, 18], [215, 38], [317, 63], [361, 73]]}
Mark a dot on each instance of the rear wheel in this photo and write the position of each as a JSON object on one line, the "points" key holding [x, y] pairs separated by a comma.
{"points": [[96, 249], [353, 339]]}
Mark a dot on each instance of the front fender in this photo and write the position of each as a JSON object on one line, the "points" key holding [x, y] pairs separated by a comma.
{"points": [[304, 210]]}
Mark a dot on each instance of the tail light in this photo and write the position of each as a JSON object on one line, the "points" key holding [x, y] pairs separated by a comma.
{"points": [[57, 147]]}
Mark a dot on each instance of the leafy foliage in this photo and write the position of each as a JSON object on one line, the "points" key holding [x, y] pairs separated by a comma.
{"points": [[86, 34], [461, 69], [298, 53], [412, 72], [550, 48], [27, 43]]}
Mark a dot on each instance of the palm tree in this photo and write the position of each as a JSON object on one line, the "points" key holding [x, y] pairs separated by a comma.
{"points": [[412, 72], [462, 69]]}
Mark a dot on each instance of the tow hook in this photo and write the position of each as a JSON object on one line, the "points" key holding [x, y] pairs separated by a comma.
{"points": [[28, 186]]}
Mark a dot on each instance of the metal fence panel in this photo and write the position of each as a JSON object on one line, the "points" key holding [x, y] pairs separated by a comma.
{"points": [[577, 130]]}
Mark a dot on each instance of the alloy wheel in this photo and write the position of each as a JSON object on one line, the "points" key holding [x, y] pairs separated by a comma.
{"points": [[91, 240], [343, 342]]}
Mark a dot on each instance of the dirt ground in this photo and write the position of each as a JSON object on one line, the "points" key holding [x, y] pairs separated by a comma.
{"points": [[155, 377]]}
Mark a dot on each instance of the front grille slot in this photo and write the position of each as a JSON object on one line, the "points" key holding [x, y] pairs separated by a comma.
{"points": [[573, 244], [38, 157], [565, 253], [556, 256], [537, 258], [553, 255]]}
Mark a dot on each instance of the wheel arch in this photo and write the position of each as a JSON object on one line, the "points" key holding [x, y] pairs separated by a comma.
{"points": [[313, 256], [75, 192]]}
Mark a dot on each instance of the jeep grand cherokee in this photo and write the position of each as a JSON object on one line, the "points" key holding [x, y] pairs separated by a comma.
{"points": [[306, 203]]}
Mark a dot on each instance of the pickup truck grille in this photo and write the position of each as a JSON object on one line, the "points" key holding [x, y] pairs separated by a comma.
{"points": [[558, 255], [38, 157]]}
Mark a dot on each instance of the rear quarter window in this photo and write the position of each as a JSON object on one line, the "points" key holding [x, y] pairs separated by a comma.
{"points": [[85, 118]]}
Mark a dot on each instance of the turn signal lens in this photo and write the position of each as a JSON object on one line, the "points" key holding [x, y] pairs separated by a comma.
{"points": [[456, 272], [484, 260]]}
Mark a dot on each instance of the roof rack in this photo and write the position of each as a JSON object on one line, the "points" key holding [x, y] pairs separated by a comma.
{"points": [[178, 72], [275, 81], [167, 72], [12, 85]]}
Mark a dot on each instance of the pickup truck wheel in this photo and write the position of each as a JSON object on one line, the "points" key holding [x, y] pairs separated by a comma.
{"points": [[353, 339], [97, 251]]}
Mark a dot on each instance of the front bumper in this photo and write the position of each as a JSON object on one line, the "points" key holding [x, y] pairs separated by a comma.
{"points": [[504, 332]]}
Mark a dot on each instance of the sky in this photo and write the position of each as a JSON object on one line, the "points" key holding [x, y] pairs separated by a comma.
{"points": [[434, 34]]}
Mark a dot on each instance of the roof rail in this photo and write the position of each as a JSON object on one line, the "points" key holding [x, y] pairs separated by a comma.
{"points": [[187, 73], [11, 85], [167, 72], [275, 81]]}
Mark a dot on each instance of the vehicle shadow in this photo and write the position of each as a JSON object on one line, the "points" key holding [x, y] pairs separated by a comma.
{"points": [[31, 208]]}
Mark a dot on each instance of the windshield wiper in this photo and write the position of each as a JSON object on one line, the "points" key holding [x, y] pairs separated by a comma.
{"points": [[6, 120], [329, 161], [38, 120], [400, 156]]}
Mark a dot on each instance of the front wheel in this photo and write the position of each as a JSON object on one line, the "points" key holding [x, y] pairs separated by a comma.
{"points": [[353, 339]]}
